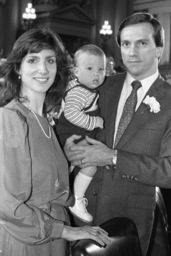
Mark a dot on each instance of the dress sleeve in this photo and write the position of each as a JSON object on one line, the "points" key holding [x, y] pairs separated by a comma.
{"points": [[75, 102], [25, 223]]}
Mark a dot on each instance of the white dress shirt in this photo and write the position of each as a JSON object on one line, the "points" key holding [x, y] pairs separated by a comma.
{"points": [[126, 91]]}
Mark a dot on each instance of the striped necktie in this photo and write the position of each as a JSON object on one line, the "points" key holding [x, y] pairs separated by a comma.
{"points": [[128, 111]]}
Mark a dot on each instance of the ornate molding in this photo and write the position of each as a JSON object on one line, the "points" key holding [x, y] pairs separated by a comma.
{"points": [[44, 2], [71, 14], [61, 3]]}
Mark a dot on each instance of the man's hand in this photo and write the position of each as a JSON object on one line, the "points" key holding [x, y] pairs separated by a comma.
{"points": [[88, 153], [69, 144]]}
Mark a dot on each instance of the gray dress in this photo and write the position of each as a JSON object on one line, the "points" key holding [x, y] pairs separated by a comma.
{"points": [[34, 186]]}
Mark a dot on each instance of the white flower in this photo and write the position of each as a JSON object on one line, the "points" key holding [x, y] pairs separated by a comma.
{"points": [[152, 103]]}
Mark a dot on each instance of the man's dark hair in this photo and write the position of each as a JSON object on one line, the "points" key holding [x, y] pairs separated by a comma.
{"points": [[143, 17]]}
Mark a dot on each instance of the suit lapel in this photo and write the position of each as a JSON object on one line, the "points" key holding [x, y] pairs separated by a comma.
{"points": [[142, 115]]}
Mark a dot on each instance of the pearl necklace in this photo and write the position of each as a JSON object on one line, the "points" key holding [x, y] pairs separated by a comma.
{"points": [[47, 136]]}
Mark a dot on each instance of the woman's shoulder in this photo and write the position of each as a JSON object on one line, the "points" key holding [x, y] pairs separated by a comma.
{"points": [[13, 111], [13, 123]]}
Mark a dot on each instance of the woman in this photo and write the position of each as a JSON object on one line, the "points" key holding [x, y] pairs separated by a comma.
{"points": [[34, 187]]}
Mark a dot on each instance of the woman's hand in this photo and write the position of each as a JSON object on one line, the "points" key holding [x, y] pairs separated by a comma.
{"points": [[87, 232], [91, 153]]}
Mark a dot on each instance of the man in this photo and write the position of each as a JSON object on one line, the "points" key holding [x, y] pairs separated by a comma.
{"points": [[127, 176]]}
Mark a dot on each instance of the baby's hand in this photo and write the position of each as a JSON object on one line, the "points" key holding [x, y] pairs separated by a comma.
{"points": [[99, 122]]}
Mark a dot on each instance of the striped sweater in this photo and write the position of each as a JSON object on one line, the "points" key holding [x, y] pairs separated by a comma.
{"points": [[77, 99]]}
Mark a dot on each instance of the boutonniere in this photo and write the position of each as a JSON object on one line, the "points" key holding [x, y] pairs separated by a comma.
{"points": [[153, 104]]}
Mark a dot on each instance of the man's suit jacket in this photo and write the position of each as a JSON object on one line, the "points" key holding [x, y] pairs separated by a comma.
{"points": [[143, 162]]}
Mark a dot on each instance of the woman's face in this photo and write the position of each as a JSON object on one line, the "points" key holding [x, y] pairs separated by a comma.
{"points": [[38, 72]]}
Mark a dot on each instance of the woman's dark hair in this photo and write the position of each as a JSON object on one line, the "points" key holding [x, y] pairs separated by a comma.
{"points": [[142, 17], [34, 41]]}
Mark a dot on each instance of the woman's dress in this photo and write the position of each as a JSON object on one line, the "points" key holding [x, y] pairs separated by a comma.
{"points": [[34, 186]]}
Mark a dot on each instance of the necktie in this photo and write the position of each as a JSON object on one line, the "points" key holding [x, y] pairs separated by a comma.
{"points": [[128, 111]]}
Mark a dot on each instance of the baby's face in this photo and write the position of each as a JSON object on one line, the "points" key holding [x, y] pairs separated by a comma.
{"points": [[90, 70]]}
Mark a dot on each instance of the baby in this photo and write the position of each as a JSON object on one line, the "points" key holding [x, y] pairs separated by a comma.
{"points": [[80, 115]]}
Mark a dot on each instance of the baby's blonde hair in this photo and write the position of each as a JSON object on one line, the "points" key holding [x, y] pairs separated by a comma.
{"points": [[88, 48]]}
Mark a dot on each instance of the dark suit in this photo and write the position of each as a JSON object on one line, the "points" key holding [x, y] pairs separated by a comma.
{"points": [[143, 162]]}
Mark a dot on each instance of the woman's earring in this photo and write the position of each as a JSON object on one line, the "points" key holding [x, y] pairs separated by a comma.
{"points": [[19, 77]]}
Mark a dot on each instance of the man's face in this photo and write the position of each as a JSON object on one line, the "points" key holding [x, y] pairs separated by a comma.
{"points": [[139, 51]]}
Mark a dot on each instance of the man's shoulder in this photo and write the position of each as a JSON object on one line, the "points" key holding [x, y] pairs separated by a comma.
{"points": [[164, 84], [113, 80]]}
